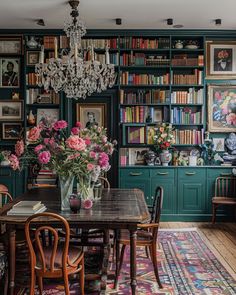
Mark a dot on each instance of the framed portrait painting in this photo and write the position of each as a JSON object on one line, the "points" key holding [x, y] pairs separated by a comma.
{"points": [[47, 117], [90, 114], [11, 110], [11, 131], [10, 72], [221, 108], [221, 60]]}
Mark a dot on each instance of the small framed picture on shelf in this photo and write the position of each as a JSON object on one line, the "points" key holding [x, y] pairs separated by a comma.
{"points": [[90, 114], [10, 72], [221, 108], [221, 60], [47, 117], [136, 134], [136, 156], [157, 115], [11, 45], [218, 144], [32, 58], [11, 110], [44, 98], [11, 131]]}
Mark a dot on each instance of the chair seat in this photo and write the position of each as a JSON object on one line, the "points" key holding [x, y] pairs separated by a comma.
{"points": [[142, 237], [224, 200], [74, 253]]}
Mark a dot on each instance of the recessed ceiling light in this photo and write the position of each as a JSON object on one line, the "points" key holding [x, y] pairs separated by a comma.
{"points": [[118, 21], [169, 21], [218, 22], [178, 26]]}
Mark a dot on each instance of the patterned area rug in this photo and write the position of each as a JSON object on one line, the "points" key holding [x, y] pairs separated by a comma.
{"points": [[187, 266]]}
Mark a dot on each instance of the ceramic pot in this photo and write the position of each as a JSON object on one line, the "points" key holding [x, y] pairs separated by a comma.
{"points": [[165, 157], [150, 158]]}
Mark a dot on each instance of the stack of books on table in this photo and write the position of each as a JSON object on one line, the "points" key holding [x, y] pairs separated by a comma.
{"points": [[27, 208]]}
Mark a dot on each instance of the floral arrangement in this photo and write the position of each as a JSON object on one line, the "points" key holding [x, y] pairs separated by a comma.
{"points": [[163, 137], [83, 153]]}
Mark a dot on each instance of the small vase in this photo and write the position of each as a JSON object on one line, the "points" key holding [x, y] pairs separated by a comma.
{"points": [[31, 118], [32, 43], [66, 186], [165, 157]]}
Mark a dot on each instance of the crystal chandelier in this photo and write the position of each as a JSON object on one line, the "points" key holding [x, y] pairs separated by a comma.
{"points": [[71, 73]]}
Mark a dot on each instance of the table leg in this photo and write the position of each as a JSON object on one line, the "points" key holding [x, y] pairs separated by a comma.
{"points": [[133, 238], [12, 260], [106, 253]]}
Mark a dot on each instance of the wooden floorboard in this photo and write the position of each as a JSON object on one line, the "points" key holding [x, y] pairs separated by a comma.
{"points": [[222, 237]]}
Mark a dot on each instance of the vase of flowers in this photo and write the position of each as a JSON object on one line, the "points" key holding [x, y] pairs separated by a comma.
{"points": [[81, 155], [163, 141]]}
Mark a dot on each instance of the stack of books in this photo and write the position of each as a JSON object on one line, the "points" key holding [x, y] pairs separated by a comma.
{"points": [[27, 208]]}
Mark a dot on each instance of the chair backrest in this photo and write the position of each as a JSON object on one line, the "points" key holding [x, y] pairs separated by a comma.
{"points": [[5, 196], [225, 186], [105, 182], [41, 224], [157, 206]]}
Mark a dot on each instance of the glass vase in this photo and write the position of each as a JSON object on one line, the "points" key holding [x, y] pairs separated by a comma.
{"points": [[66, 186], [84, 187]]}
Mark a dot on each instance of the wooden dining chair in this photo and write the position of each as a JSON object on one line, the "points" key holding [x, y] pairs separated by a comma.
{"points": [[146, 237], [225, 193], [52, 258]]}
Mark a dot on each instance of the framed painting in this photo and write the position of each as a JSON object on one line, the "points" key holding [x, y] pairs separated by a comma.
{"points": [[32, 58], [11, 45], [221, 108], [90, 114], [11, 110], [218, 144], [220, 60], [10, 72], [47, 117], [11, 131]]}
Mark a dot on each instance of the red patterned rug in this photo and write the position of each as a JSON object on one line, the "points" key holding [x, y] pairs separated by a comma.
{"points": [[187, 266]]}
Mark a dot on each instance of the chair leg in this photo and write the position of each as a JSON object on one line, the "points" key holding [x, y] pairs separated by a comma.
{"points": [[213, 213], [81, 277], [6, 283], [40, 282], [121, 258], [66, 284], [146, 250], [153, 251], [32, 282]]}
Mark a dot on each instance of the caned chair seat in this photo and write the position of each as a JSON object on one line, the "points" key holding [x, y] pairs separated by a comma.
{"points": [[223, 200]]}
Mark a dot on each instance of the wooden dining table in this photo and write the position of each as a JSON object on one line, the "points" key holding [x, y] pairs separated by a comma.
{"points": [[117, 209]]}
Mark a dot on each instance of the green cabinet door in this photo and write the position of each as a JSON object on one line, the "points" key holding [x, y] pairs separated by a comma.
{"points": [[192, 191], [136, 178], [13, 180], [166, 179]]}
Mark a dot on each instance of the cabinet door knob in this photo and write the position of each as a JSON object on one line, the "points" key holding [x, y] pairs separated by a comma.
{"points": [[162, 173], [225, 174], [190, 173], [135, 173]]}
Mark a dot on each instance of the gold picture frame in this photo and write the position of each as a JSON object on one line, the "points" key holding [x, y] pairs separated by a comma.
{"points": [[220, 59], [89, 114]]}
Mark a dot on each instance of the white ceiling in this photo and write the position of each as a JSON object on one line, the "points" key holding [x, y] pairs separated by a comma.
{"points": [[135, 14]]}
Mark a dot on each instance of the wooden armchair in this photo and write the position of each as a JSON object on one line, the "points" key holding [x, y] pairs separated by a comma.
{"points": [[146, 237], [52, 258], [225, 193]]}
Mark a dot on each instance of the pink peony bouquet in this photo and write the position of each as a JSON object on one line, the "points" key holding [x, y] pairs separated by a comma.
{"points": [[82, 152]]}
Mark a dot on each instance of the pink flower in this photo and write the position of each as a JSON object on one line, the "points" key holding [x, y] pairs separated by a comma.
{"points": [[90, 167], [46, 140], [87, 204], [103, 160], [59, 125], [75, 131], [74, 156], [44, 157], [76, 143], [14, 162], [78, 124], [104, 139], [92, 155], [99, 129], [231, 119], [87, 141], [19, 148], [38, 148], [34, 134]]}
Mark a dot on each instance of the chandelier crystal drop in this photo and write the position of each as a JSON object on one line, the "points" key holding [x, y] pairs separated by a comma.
{"points": [[71, 73]]}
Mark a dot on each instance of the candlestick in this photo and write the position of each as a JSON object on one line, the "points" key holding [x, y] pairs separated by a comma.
{"points": [[92, 53], [76, 50], [107, 56], [41, 59], [55, 46]]}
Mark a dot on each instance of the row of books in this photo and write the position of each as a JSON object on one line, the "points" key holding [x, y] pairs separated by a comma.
{"points": [[188, 61], [185, 116], [27, 208], [144, 43], [192, 136], [195, 78], [190, 96], [100, 43], [144, 96], [141, 59], [114, 57], [136, 134], [32, 79], [127, 78], [35, 95], [135, 114]]}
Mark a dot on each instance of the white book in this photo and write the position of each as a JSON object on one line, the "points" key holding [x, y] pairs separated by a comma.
{"points": [[26, 213], [33, 205]]}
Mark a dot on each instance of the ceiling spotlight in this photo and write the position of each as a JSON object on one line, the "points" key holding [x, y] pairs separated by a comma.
{"points": [[40, 22], [118, 21], [218, 22], [169, 21]]}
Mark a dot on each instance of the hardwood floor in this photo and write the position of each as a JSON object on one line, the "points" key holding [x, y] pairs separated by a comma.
{"points": [[222, 237]]}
